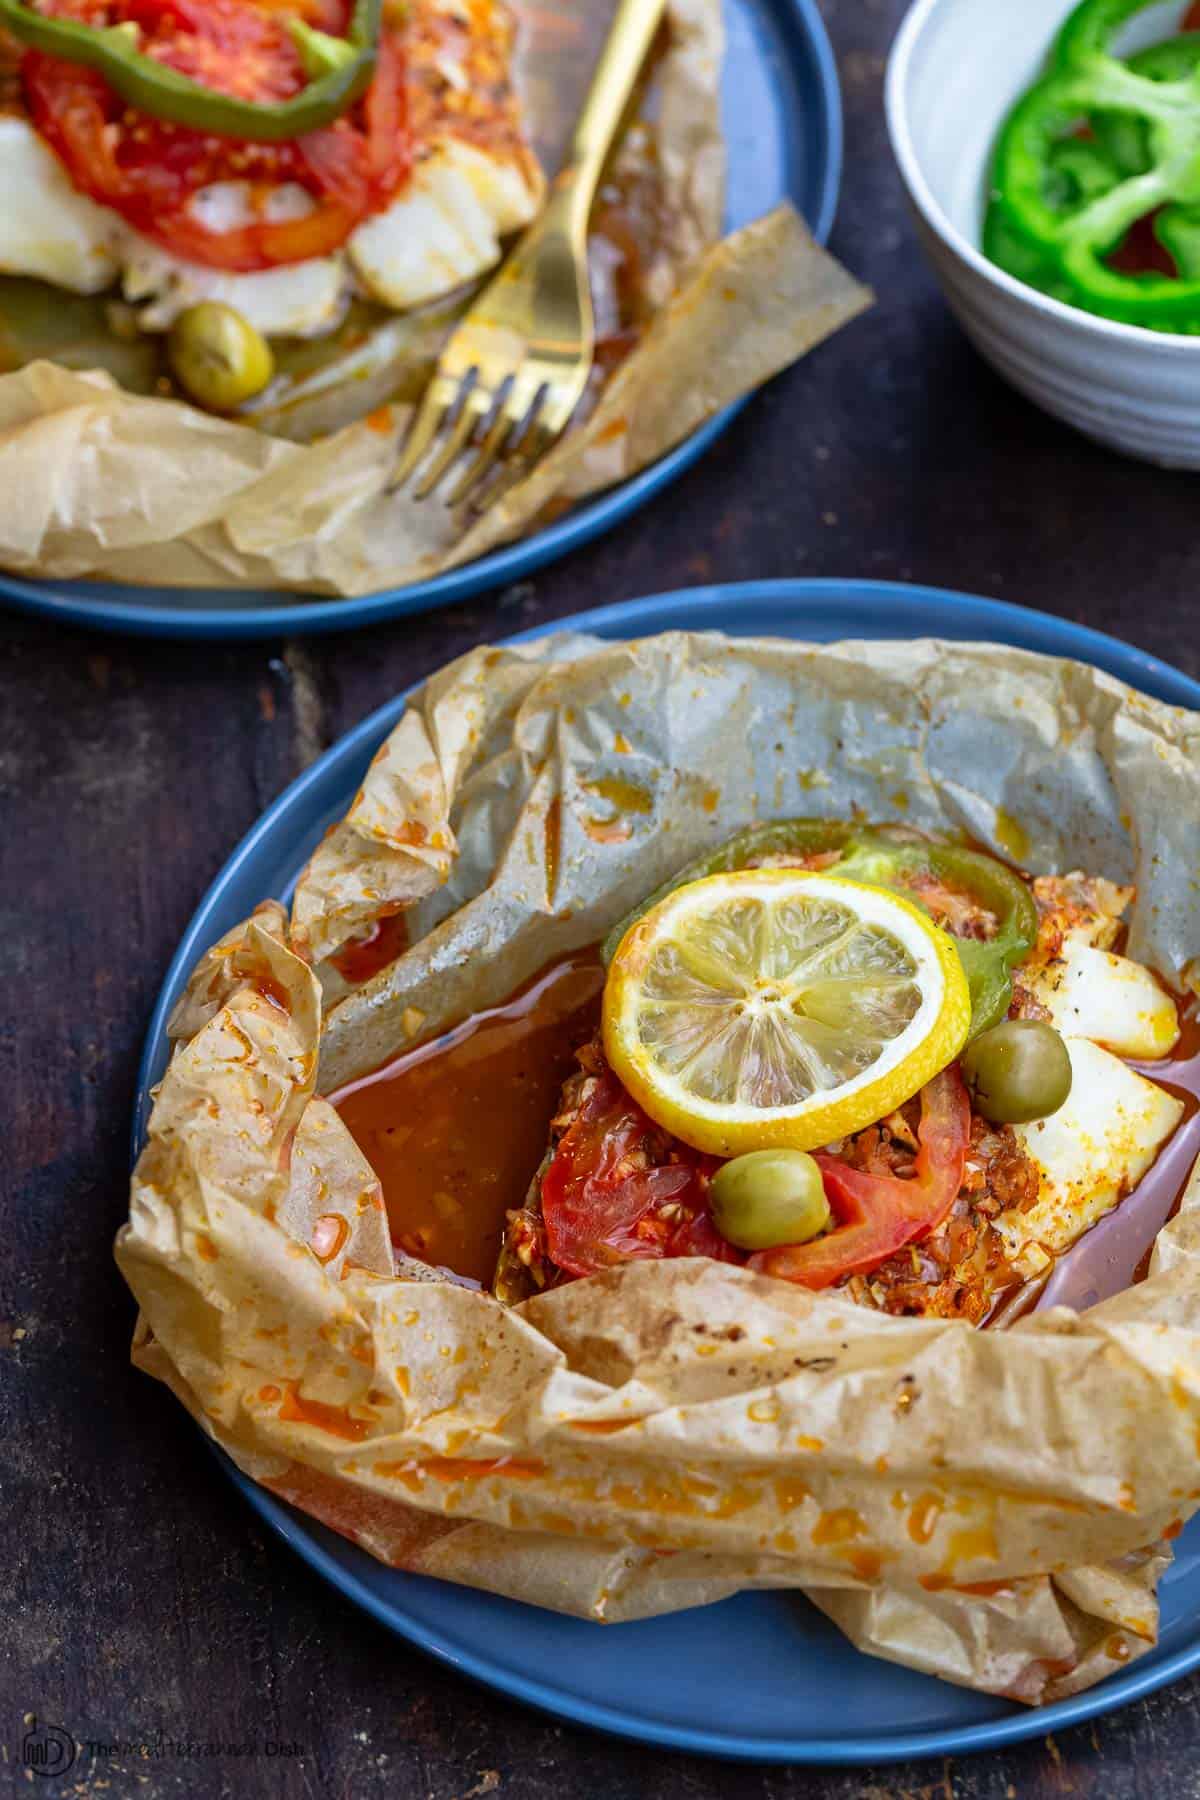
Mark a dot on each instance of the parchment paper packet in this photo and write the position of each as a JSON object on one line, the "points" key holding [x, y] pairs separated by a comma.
{"points": [[95, 481], [993, 1507]]}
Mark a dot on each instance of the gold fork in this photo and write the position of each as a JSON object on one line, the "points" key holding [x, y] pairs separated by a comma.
{"points": [[515, 368]]}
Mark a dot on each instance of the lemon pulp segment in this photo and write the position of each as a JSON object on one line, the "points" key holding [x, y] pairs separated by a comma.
{"points": [[778, 1006]]}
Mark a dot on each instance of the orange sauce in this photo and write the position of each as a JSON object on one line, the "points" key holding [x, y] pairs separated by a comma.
{"points": [[449, 1468], [329, 1233], [553, 844], [790, 1492], [273, 992], [923, 1519], [336, 1420], [625, 796], [839, 1526], [603, 1427], [456, 1128], [364, 956], [868, 1564]]}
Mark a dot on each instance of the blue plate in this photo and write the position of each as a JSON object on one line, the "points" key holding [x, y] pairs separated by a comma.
{"points": [[752, 1677], [782, 115]]}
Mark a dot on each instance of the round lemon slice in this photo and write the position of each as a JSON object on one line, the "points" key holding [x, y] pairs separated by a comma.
{"points": [[778, 1007]]}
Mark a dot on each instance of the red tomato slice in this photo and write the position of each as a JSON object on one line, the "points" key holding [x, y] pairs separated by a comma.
{"points": [[148, 170], [880, 1214], [230, 47], [600, 1208]]}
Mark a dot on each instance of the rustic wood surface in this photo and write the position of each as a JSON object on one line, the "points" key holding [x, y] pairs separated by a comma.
{"points": [[142, 1595]]}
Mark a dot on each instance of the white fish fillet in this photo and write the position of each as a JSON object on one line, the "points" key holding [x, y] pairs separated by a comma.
{"points": [[442, 230], [46, 228]]}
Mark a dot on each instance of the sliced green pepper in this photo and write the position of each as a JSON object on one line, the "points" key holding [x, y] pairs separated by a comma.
{"points": [[883, 857], [790, 837], [1083, 170], [1125, 137], [1062, 205], [987, 962], [1005, 246], [1088, 32], [343, 69]]}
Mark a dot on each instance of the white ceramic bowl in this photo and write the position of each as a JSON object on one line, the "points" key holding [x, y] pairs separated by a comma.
{"points": [[956, 68]]}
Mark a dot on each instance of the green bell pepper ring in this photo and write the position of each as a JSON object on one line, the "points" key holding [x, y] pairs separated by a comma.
{"points": [[987, 962], [1088, 32], [1124, 138], [341, 69], [1127, 143], [1147, 129], [789, 837], [1080, 169], [882, 858]]}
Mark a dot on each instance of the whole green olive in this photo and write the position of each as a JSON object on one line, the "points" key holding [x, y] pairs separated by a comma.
{"points": [[1017, 1071], [768, 1198], [218, 356]]}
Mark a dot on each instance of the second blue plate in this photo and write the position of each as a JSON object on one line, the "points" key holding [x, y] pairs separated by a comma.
{"points": [[762, 1677], [782, 115]]}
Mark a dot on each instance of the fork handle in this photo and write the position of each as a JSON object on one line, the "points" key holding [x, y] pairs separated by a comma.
{"points": [[629, 38]]}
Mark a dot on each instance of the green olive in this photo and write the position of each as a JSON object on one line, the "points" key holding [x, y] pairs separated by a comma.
{"points": [[218, 356], [768, 1198], [1018, 1071]]}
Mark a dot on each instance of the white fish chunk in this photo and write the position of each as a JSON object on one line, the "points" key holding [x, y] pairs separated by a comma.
{"points": [[444, 228], [301, 299], [1089, 1154], [47, 229], [441, 231], [1110, 999], [297, 300], [1084, 909]]}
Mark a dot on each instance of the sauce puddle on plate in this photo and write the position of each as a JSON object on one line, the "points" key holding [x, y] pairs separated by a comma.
{"points": [[456, 1128]]}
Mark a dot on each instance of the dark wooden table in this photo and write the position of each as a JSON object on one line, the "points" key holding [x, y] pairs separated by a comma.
{"points": [[142, 1595]]}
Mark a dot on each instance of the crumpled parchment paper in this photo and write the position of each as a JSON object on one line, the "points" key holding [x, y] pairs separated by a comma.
{"points": [[994, 1507], [95, 481]]}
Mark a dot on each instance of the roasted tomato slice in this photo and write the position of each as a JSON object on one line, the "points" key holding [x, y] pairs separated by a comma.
{"points": [[149, 170], [880, 1214], [620, 1187], [226, 45], [610, 1194]]}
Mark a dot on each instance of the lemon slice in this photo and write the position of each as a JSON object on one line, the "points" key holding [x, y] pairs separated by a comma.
{"points": [[778, 1007]]}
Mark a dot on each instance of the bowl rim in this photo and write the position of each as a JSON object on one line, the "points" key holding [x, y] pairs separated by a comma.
{"points": [[904, 45]]}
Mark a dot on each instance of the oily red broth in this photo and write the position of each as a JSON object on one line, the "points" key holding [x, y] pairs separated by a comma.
{"points": [[456, 1128]]}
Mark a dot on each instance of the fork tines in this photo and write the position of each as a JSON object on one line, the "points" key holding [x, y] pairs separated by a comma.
{"points": [[502, 427]]}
